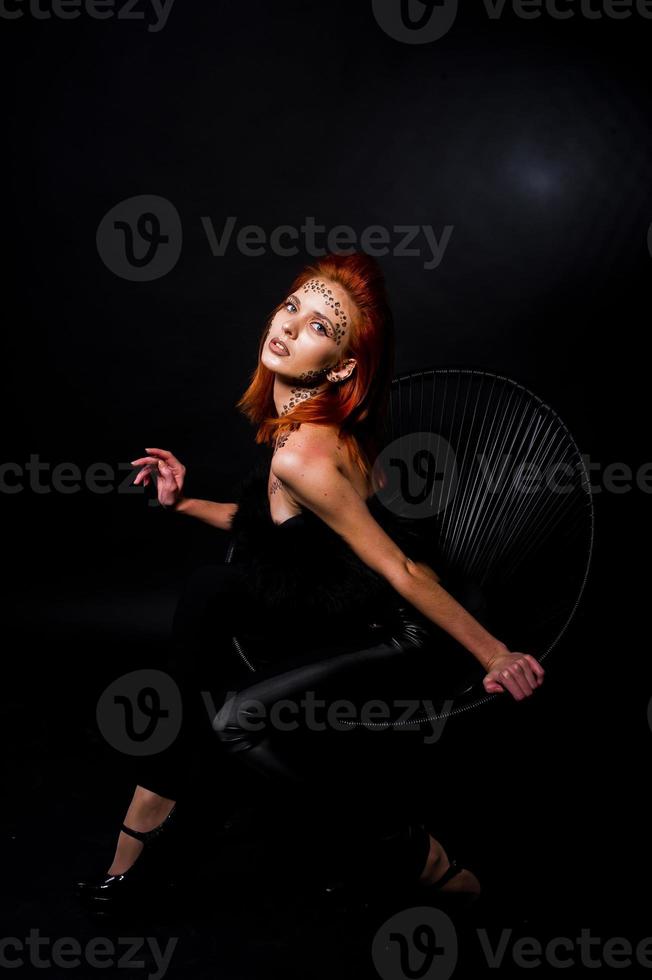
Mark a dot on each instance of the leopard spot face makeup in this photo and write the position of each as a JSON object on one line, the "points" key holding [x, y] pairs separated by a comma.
{"points": [[301, 343], [315, 375], [298, 395], [320, 288]]}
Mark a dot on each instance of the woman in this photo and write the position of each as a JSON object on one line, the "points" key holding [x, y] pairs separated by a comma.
{"points": [[318, 560]]}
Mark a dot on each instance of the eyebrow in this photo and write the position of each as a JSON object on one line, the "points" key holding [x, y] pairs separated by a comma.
{"points": [[315, 312]]}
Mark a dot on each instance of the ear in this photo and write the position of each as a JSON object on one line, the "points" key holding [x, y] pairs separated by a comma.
{"points": [[343, 371]]}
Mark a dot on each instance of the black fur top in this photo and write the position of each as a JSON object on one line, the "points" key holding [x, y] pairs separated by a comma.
{"points": [[304, 563]]}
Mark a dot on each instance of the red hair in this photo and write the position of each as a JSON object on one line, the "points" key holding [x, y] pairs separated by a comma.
{"points": [[358, 405]]}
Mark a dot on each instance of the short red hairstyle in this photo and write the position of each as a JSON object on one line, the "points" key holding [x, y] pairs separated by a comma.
{"points": [[357, 405]]}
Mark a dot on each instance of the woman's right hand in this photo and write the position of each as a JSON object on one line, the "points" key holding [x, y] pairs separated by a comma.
{"points": [[162, 466], [519, 673]]}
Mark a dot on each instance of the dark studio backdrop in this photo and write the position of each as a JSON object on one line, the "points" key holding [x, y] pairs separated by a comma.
{"points": [[524, 145]]}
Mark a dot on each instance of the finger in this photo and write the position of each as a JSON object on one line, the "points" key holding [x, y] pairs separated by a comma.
{"points": [[142, 476], [166, 475], [508, 682], [170, 459], [536, 666], [527, 673], [516, 670], [172, 462], [143, 460], [164, 453], [492, 687]]}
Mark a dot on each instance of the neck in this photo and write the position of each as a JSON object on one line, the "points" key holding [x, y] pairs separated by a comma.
{"points": [[288, 394]]}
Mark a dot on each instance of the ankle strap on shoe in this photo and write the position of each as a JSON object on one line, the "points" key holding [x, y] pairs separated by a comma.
{"points": [[449, 873], [146, 835]]}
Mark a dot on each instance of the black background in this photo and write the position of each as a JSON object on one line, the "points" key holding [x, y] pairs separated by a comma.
{"points": [[531, 138]]}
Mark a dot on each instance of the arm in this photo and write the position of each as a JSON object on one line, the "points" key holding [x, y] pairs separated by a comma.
{"points": [[518, 673], [432, 599], [317, 483], [169, 473], [210, 511]]}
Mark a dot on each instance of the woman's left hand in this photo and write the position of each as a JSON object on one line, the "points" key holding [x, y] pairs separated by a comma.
{"points": [[518, 673]]}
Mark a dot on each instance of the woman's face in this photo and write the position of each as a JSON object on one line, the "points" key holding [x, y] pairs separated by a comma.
{"points": [[314, 324]]}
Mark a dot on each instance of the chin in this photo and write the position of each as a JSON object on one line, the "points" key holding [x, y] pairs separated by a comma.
{"points": [[271, 362]]}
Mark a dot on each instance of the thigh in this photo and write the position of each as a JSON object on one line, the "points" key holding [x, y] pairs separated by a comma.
{"points": [[315, 692], [298, 712]]}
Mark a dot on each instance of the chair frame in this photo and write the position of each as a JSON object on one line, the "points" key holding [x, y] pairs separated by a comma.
{"points": [[470, 697]]}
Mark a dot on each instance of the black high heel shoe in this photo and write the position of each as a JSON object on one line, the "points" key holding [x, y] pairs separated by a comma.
{"points": [[152, 872]]}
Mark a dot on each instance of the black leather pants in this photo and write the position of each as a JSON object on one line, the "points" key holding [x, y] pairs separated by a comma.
{"points": [[352, 775]]}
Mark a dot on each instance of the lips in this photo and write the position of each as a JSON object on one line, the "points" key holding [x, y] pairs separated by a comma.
{"points": [[277, 346]]}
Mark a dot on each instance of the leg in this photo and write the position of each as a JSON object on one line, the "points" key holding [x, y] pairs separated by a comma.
{"points": [[405, 852], [437, 864], [199, 660], [146, 811], [377, 830], [202, 664], [246, 727]]}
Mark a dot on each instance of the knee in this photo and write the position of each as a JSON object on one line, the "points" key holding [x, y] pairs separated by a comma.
{"points": [[239, 723]]}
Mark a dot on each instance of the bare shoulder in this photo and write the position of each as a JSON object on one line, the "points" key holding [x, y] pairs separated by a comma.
{"points": [[307, 443], [308, 468]]}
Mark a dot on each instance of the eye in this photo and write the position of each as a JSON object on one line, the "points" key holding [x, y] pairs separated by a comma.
{"points": [[315, 323]]}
